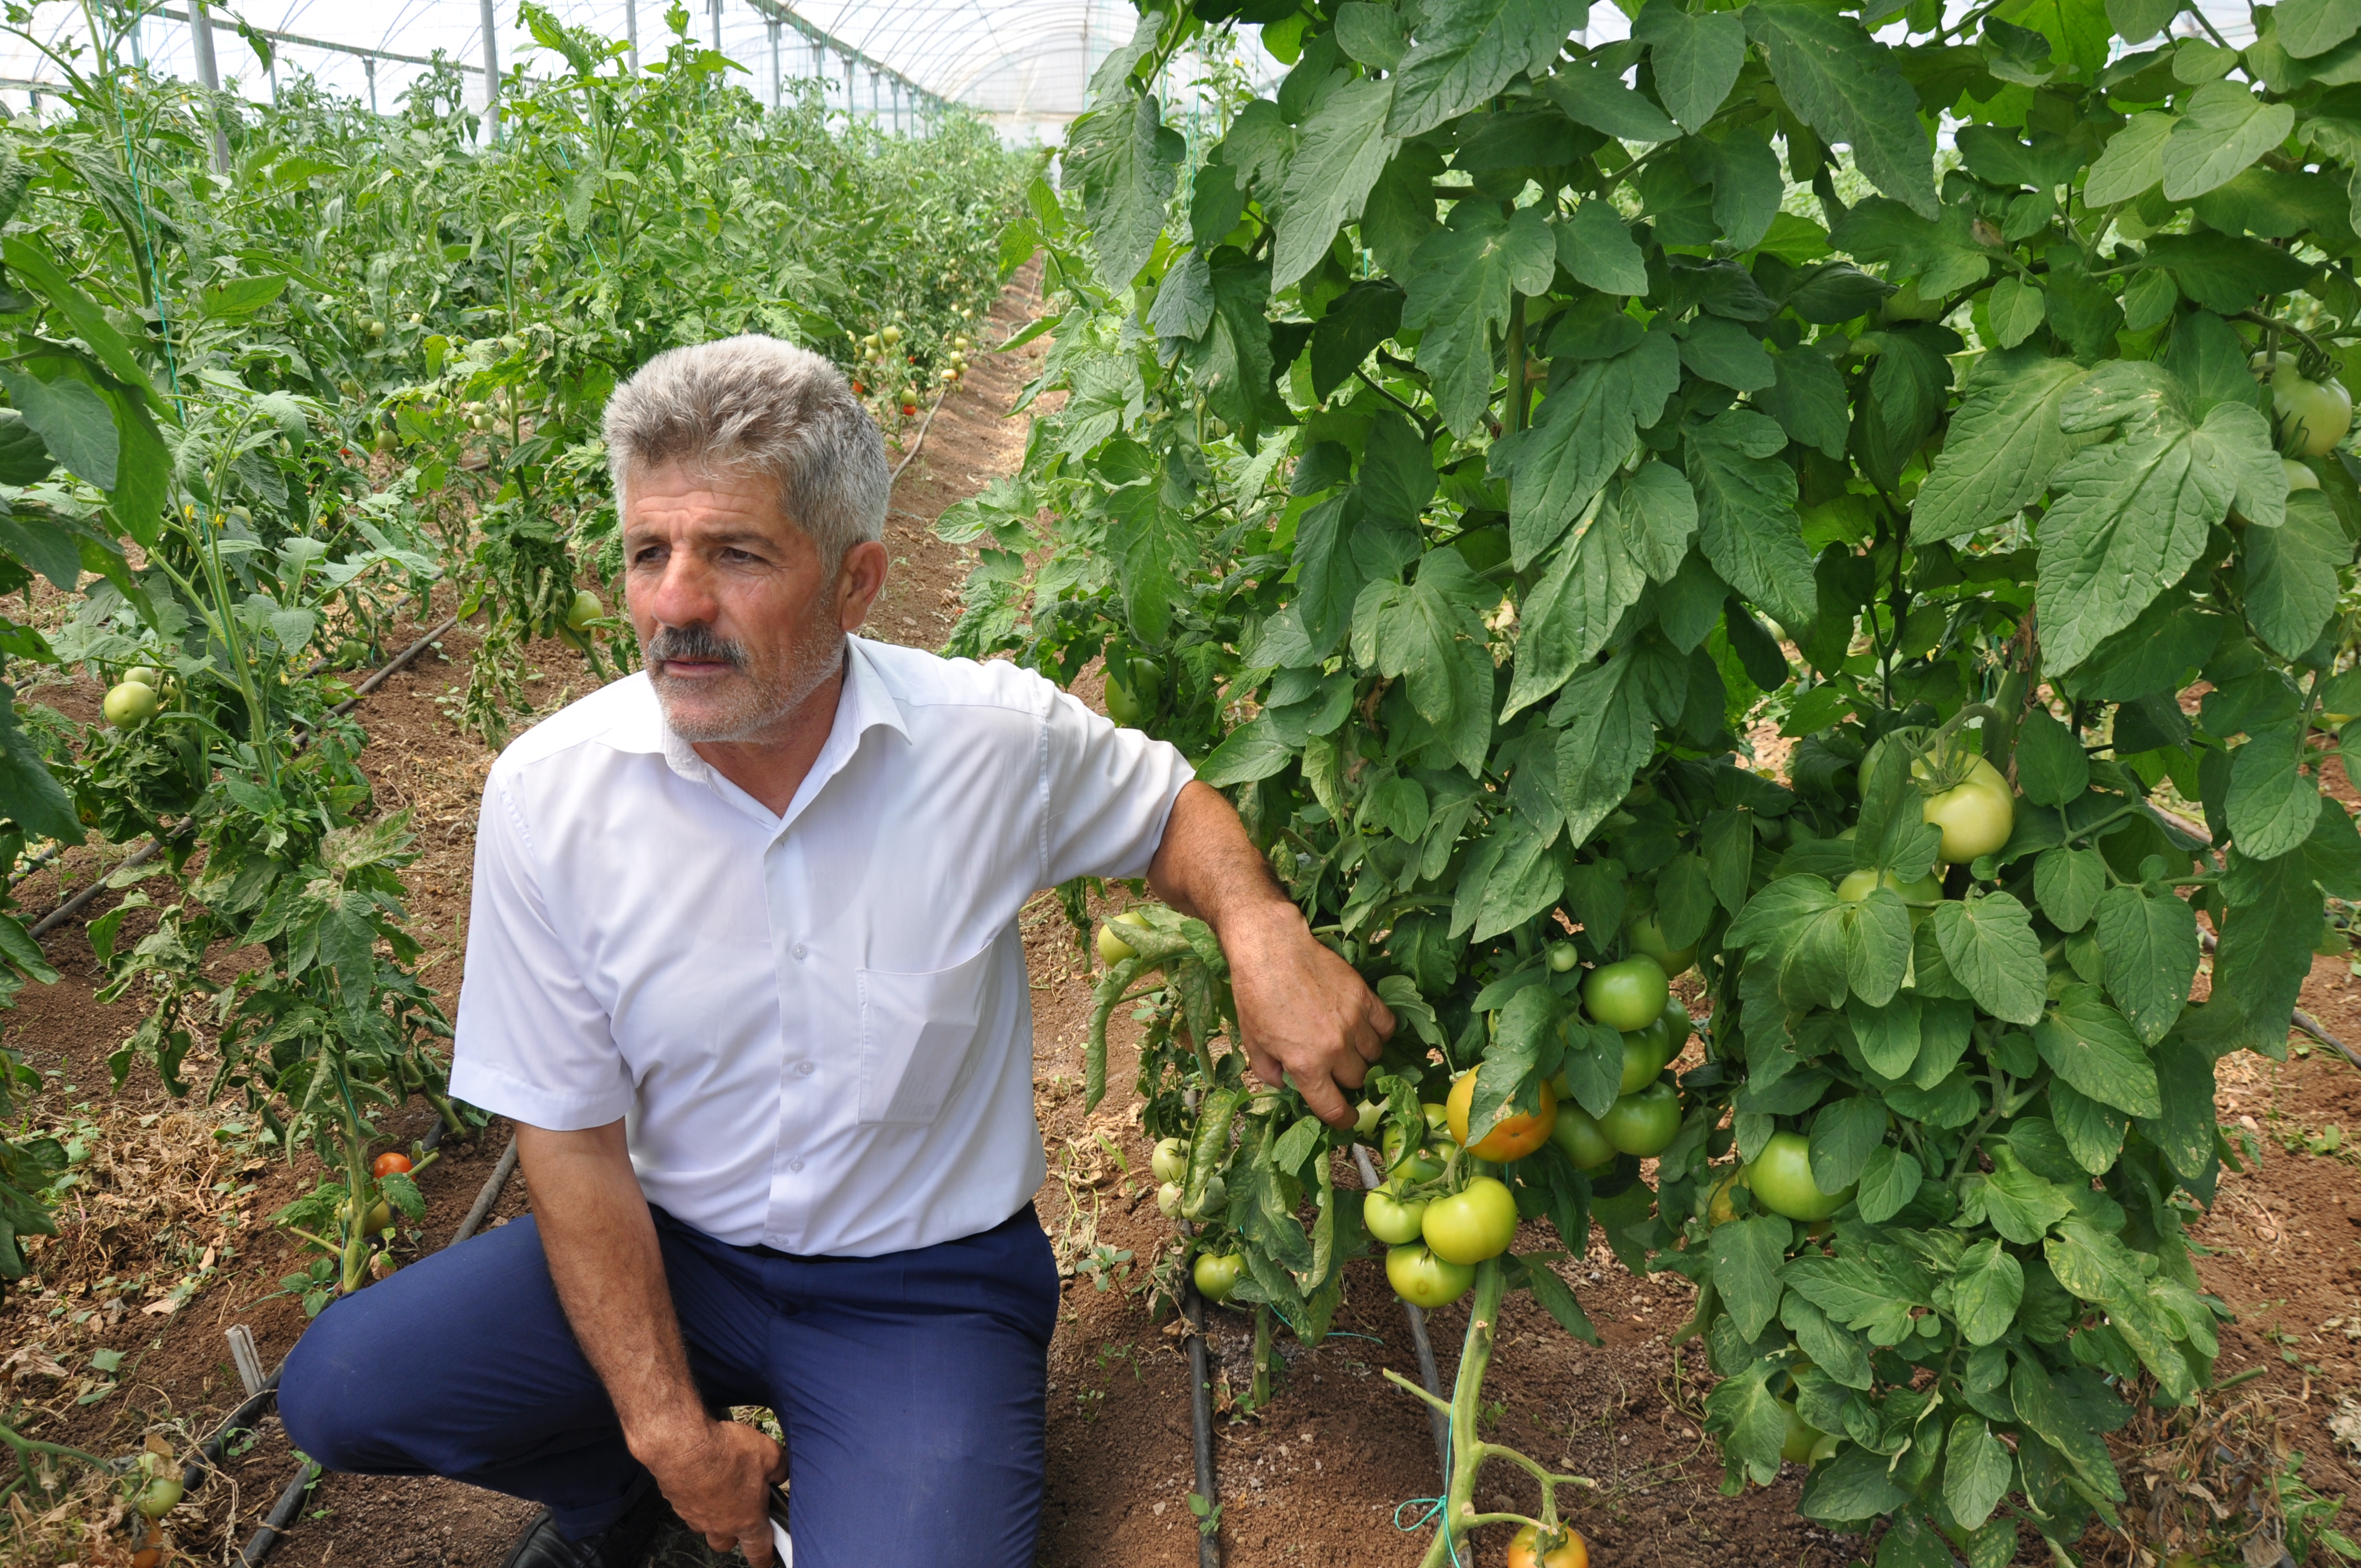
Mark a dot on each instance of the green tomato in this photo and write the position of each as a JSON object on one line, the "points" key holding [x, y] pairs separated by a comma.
{"points": [[147, 675], [1132, 694], [2313, 415], [1171, 1160], [1217, 1274], [1392, 1220], [130, 705], [1801, 1438], [1678, 1026], [1576, 1133], [1976, 815], [159, 1497], [2299, 475], [1472, 1225], [1921, 895], [380, 1218], [1114, 948], [1168, 1200], [1562, 957], [1212, 1201], [1628, 995], [585, 609], [1365, 1122], [1425, 1280], [1642, 1123], [1644, 1056], [1413, 1165], [1646, 934], [1781, 1180]]}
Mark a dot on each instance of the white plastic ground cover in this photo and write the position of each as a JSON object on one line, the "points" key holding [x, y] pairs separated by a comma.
{"points": [[1025, 64]]}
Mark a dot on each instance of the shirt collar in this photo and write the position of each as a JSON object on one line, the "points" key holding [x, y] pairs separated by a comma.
{"points": [[864, 703]]}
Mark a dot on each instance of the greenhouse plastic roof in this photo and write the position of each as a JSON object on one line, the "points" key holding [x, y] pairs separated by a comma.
{"points": [[1025, 63]]}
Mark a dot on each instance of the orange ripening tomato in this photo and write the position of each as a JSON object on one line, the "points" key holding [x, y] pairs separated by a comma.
{"points": [[1511, 1137], [389, 1163], [1573, 1553]]}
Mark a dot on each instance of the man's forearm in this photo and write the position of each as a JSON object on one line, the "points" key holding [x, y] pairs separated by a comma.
{"points": [[1208, 868], [610, 1273], [1304, 1017]]}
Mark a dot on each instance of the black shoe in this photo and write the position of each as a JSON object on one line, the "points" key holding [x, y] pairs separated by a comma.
{"points": [[623, 1544]]}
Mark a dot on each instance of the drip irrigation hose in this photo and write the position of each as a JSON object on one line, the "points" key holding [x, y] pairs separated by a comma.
{"points": [[1201, 1409], [489, 1196], [148, 851], [2299, 1018], [282, 1514], [1428, 1374]]}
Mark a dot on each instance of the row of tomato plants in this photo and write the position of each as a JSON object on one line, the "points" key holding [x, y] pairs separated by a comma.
{"points": [[249, 418], [1474, 455]]}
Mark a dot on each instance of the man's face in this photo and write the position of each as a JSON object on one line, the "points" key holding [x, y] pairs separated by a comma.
{"points": [[739, 622]]}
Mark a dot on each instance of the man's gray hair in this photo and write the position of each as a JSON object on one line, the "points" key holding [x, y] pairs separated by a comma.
{"points": [[755, 405]]}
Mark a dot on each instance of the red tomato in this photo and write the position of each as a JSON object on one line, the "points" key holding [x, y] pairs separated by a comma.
{"points": [[388, 1163]]}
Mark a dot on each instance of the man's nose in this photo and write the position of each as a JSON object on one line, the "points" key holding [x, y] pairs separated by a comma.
{"points": [[682, 595]]}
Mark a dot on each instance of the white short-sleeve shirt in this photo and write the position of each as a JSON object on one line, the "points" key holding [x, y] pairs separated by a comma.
{"points": [[816, 1025]]}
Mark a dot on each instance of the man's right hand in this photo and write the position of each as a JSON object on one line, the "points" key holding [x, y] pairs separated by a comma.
{"points": [[609, 1269], [719, 1480]]}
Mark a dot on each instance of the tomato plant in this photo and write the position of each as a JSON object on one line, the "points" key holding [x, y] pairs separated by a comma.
{"points": [[1491, 436]]}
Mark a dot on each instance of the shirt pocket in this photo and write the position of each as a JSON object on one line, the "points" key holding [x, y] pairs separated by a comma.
{"points": [[917, 1037]]}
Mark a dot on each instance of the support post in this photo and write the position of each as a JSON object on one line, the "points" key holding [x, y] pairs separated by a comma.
{"points": [[777, 87], [368, 65], [491, 77], [717, 26], [201, 41], [632, 34], [848, 90]]}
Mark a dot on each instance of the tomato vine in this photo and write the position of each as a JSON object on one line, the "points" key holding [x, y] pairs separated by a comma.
{"points": [[1761, 493]]}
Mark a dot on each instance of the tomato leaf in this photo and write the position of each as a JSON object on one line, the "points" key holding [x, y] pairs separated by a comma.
{"points": [[2089, 1045], [1582, 433], [1838, 81], [1466, 51], [2149, 944], [1343, 147], [1696, 59], [1746, 1255], [1990, 948], [1977, 1471]]}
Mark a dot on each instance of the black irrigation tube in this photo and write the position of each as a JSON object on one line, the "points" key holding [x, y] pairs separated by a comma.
{"points": [[148, 851], [1428, 1372], [1201, 1409], [1200, 1413]]}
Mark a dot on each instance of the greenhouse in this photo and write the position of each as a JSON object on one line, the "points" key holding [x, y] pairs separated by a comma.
{"points": [[1378, 782]]}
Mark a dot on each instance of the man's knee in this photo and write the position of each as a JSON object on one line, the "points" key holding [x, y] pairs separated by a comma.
{"points": [[332, 1392]]}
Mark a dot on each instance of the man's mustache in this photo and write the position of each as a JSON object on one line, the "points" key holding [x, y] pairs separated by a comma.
{"points": [[697, 643]]}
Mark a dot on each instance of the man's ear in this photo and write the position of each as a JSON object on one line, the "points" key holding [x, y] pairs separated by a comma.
{"points": [[859, 581]]}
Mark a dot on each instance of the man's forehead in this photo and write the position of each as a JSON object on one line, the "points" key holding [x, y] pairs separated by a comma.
{"points": [[670, 501]]}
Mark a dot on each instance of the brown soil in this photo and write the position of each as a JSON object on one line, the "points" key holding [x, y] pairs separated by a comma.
{"points": [[1332, 1471]]}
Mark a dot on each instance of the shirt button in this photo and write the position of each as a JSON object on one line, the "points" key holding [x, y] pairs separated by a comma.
{"points": [[804, 1068], [795, 1165], [797, 949]]}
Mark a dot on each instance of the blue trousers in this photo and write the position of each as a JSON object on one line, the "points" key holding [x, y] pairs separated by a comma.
{"points": [[911, 1386]]}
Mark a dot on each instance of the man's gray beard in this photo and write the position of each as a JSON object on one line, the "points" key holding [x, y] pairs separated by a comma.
{"points": [[755, 708]]}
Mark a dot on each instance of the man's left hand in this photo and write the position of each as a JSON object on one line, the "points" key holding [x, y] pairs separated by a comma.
{"points": [[1303, 1012], [1304, 1016]]}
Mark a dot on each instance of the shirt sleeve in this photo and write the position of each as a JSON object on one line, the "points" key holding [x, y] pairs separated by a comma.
{"points": [[1110, 792], [532, 1043]]}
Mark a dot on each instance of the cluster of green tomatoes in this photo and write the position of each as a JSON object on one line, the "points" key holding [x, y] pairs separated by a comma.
{"points": [[138, 696]]}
